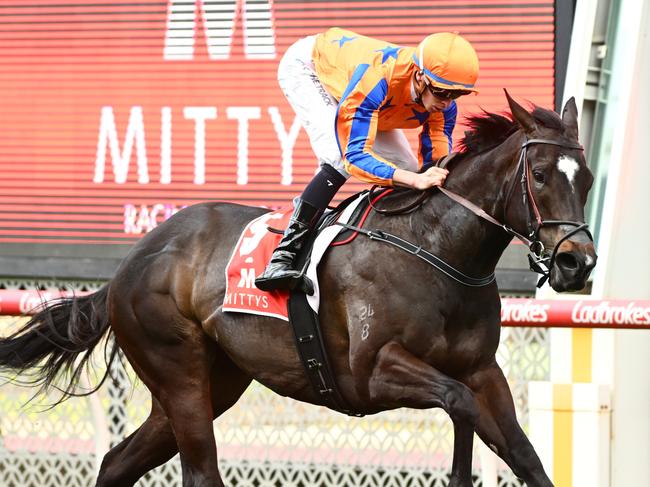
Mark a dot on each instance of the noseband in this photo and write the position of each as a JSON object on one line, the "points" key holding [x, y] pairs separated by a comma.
{"points": [[539, 260]]}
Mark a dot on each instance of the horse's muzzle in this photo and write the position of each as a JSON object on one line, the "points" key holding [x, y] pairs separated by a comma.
{"points": [[573, 264]]}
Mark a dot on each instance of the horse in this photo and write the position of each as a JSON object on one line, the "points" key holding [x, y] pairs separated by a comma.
{"points": [[428, 341]]}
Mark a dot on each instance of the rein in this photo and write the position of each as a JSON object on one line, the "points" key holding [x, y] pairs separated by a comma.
{"points": [[411, 248], [442, 163], [397, 211]]}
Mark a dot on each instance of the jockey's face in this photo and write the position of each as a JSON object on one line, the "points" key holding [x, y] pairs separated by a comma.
{"points": [[433, 103], [435, 99]]}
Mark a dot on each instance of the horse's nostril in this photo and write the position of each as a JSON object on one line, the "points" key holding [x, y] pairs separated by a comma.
{"points": [[566, 260]]}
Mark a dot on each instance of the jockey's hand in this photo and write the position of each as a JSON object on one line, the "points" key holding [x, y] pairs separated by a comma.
{"points": [[434, 176]]}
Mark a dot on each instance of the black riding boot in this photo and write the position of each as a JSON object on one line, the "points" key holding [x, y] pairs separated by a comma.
{"points": [[280, 272]]}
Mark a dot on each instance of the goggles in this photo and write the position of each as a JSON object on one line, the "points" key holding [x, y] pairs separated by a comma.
{"points": [[444, 94]]}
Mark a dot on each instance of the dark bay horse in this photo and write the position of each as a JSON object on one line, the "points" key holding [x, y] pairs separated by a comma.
{"points": [[427, 341]]}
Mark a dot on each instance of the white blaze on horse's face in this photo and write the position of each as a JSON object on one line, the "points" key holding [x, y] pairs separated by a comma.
{"points": [[569, 167]]}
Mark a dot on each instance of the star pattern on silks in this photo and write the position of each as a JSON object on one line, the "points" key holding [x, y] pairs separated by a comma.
{"points": [[419, 116], [389, 52], [343, 40], [386, 105]]}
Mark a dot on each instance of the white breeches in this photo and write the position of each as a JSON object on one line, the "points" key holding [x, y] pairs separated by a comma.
{"points": [[316, 110]]}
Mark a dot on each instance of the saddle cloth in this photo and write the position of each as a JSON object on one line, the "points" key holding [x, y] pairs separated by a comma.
{"points": [[253, 251]]}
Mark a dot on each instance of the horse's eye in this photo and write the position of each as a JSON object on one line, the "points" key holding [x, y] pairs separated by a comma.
{"points": [[539, 177]]}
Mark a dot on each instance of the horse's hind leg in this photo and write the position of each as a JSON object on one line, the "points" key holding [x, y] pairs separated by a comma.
{"points": [[401, 379], [174, 357], [153, 443]]}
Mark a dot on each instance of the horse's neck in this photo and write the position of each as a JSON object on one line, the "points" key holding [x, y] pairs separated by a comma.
{"points": [[485, 178], [482, 179]]}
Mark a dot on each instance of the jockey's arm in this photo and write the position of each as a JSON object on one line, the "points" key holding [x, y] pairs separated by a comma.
{"points": [[434, 176], [356, 129], [436, 137], [435, 142]]}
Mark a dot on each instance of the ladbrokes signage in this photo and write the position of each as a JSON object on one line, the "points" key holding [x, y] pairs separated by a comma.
{"points": [[114, 116]]}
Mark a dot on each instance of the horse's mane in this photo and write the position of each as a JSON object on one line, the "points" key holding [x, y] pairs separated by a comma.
{"points": [[487, 129]]}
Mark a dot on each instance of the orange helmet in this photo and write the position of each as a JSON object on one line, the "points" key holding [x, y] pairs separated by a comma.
{"points": [[448, 60]]}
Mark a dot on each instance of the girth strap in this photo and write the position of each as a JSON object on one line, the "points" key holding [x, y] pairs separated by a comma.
{"points": [[311, 349]]}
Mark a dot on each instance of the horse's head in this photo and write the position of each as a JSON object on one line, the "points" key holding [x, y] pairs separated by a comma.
{"points": [[552, 180]]}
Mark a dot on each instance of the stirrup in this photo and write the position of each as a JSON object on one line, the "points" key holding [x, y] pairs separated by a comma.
{"points": [[279, 274], [286, 282]]}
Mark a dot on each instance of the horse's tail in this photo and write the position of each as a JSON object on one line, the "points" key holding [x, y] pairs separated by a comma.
{"points": [[45, 350]]}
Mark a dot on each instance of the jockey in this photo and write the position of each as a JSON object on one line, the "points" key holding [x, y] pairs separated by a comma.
{"points": [[353, 94]]}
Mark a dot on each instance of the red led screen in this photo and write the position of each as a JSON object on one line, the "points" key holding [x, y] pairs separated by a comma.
{"points": [[115, 114]]}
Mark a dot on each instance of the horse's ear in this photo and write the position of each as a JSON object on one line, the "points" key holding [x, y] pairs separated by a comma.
{"points": [[570, 118], [521, 115]]}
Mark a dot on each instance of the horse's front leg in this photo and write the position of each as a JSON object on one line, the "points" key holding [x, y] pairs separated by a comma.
{"points": [[399, 379], [499, 429]]}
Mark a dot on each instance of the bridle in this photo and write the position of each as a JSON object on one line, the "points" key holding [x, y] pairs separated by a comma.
{"points": [[539, 260]]}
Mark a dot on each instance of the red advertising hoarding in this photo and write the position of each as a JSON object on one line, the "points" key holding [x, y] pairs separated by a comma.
{"points": [[561, 313], [113, 115]]}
